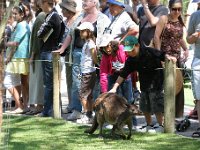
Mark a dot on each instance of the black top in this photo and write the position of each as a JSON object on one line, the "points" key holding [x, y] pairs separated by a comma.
{"points": [[146, 64], [52, 21]]}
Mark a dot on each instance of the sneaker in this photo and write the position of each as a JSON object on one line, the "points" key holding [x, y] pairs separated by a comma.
{"points": [[26, 110], [17, 111], [84, 120], [145, 128], [74, 115], [157, 129]]}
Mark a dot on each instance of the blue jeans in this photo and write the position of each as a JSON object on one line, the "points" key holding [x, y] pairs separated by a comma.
{"points": [[48, 82], [76, 81], [96, 91], [125, 89]]}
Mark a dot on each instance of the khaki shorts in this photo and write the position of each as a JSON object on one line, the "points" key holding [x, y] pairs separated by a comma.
{"points": [[152, 101]]}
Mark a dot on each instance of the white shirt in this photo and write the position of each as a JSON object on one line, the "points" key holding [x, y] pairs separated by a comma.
{"points": [[86, 59], [121, 25]]}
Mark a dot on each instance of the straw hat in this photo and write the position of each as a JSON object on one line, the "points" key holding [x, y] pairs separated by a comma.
{"points": [[69, 5]]}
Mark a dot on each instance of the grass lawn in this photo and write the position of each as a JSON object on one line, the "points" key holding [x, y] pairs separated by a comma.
{"points": [[34, 133]]}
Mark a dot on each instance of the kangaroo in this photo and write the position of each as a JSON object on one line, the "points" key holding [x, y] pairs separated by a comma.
{"points": [[113, 109]]}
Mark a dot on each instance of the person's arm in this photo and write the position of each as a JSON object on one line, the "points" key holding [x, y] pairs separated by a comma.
{"points": [[150, 17], [135, 17], [186, 51], [132, 30], [191, 39], [158, 32], [130, 66], [65, 44], [192, 34], [10, 55], [116, 85], [94, 55]]}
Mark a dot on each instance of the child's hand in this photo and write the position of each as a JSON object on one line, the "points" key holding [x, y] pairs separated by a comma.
{"points": [[112, 91]]}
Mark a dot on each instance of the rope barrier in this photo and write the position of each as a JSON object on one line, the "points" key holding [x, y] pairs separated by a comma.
{"points": [[67, 62]]}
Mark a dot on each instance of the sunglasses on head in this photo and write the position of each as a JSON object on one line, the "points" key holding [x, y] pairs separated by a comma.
{"points": [[177, 9]]}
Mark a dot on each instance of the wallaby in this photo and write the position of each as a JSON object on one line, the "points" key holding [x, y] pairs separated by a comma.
{"points": [[115, 110]]}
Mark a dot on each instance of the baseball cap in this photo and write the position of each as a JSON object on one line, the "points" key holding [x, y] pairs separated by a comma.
{"points": [[105, 40], [196, 1], [117, 2], [86, 25], [129, 43]]}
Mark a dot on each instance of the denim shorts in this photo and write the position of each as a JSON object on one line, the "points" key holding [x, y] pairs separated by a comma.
{"points": [[152, 101]]}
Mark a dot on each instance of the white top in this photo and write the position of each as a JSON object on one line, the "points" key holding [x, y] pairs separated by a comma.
{"points": [[87, 64], [121, 25]]}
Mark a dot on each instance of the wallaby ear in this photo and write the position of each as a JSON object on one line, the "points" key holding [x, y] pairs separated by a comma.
{"points": [[127, 105]]}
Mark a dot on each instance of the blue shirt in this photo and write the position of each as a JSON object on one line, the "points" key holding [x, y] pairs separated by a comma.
{"points": [[21, 35]]}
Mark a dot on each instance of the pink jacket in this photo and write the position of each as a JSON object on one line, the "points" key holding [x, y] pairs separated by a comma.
{"points": [[106, 66]]}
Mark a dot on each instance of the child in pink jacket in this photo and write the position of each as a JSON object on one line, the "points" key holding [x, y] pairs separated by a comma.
{"points": [[112, 61]]}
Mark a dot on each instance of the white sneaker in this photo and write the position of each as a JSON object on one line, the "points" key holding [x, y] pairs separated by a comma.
{"points": [[157, 129], [74, 115], [84, 120], [144, 129]]}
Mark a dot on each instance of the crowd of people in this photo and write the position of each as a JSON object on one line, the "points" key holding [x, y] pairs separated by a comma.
{"points": [[107, 47]]}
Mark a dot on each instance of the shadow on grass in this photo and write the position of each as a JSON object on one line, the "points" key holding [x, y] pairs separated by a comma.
{"points": [[32, 133]]}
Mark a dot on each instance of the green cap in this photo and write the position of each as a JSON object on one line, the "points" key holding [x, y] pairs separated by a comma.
{"points": [[129, 43]]}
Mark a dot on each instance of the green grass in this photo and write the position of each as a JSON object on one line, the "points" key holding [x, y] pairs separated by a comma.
{"points": [[34, 133]]}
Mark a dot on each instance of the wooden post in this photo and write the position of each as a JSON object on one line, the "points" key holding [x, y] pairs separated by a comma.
{"points": [[1, 89], [169, 98], [56, 86]]}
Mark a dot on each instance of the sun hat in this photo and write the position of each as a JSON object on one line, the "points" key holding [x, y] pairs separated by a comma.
{"points": [[117, 2], [196, 1], [105, 40], [69, 5], [129, 43], [86, 25]]}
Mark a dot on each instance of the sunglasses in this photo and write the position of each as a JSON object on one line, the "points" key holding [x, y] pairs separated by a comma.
{"points": [[177, 9]]}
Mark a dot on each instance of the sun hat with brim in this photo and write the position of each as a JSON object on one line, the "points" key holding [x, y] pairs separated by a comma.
{"points": [[105, 40], [86, 25], [117, 2], [196, 1], [69, 5], [129, 43]]}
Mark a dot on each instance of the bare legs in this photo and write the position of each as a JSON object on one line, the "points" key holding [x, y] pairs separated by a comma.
{"points": [[159, 117], [15, 92], [25, 89], [198, 110]]}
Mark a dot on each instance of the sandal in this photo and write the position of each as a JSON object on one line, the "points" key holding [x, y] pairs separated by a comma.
{"points": [[196, 134]]}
